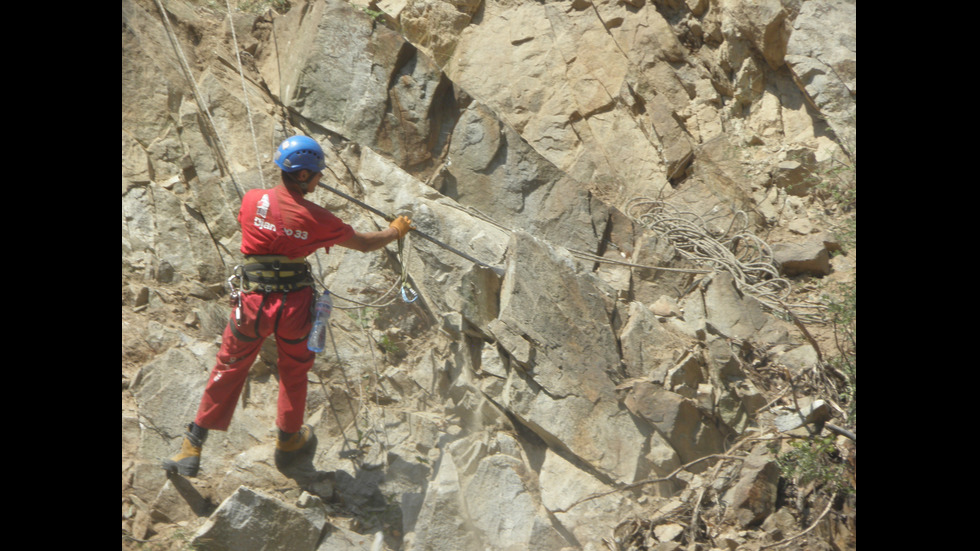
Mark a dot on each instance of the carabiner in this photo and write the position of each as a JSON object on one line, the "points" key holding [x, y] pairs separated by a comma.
{"points": [[231, 286], [415, 296]]}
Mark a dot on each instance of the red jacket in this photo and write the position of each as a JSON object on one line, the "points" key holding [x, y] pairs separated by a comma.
{"points": [[279, 221]]}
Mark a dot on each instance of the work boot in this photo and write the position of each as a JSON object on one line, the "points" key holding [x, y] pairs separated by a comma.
{"points": [[188, 460], [291, 446]]}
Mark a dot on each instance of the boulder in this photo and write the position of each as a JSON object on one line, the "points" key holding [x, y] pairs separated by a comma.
{"points": [[809, 257], [554, 322], [679, 420], [443, 522], [753, 497], [249, 520], [822, 56]]}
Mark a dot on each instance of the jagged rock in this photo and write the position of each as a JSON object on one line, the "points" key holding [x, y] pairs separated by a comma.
{"points": [[435, 26], [753, 497], [504, 507], [338, 538], [572, 495], [339, 68], [514, 395], [250, 520], [764, 24], [497, 173], [443, 523], [793, 177], [668, 532], [678, 419], [157, 227], [177, 500], [816, 412], [554, 321], [810, 257], [167, 391], [730, 313], [577, 124], [822, 56], [780, 524], [647, 344], [799, 358], [666, 306]]}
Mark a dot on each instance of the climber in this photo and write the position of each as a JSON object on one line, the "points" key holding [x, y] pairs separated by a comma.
{"points": [[279, 230]]}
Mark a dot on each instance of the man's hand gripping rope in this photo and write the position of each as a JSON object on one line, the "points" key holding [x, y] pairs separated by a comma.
{"points": [[403, 225]]}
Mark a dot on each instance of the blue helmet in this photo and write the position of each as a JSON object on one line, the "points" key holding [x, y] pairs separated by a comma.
{"points": [[299, 152]]}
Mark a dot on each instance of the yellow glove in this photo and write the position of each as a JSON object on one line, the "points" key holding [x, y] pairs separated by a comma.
{"points": [[403, 225]]}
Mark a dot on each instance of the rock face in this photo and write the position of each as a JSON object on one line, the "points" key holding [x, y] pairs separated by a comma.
{"points": [[586, 370]]}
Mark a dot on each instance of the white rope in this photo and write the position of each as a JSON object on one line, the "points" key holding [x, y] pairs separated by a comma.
{"points": [[582, 255], [248, 108], [401, 282], [222, 155], [746, 257]]}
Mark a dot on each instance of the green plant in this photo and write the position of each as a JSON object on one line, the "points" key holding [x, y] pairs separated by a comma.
{"points": [[842, 314], [387, 345], [366, 317], [838, 186], [815, 459], [375, 15]]}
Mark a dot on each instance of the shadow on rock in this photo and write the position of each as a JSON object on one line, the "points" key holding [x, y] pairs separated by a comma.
{"points": [[298, 466], [200, 505]]}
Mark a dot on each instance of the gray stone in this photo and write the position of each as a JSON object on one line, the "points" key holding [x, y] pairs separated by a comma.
{"points": [[443, 523], [252, 521], [678, 419], [753, 497], [810, 257], [338, 538], [822, 56], [815, 412], [648, 344]]}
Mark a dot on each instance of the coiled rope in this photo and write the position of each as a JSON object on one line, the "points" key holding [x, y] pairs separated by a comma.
{"points": [[740, 253]]}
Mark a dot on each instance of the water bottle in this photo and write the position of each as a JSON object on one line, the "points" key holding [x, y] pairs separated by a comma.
{"points": [[317, 340]]}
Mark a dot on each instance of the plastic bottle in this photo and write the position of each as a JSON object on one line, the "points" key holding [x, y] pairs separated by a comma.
{"points": [[317, 340]]}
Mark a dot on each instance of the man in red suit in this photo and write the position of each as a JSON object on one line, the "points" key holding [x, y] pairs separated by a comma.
{"points": [[279, 230]]}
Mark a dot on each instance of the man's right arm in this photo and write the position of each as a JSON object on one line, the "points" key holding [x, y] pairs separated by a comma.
{"points": [[372, 241]]}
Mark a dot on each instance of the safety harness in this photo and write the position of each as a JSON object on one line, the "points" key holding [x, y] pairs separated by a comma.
{"points": [[267, 274], [274, 273]]}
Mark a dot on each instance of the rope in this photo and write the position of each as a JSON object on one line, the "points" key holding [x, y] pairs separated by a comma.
{"points": [[576, 253], [402, 283], [746, 257], [248, 108], [209, 122]]}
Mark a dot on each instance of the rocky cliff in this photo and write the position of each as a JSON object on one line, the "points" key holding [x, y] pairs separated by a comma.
{"points": [[660, 200]]}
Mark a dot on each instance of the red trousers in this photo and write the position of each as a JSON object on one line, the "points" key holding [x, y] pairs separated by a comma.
{"points": [[288, 317]]}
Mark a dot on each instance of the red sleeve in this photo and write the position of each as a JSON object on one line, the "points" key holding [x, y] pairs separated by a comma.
{"points": [[329, 229]]}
